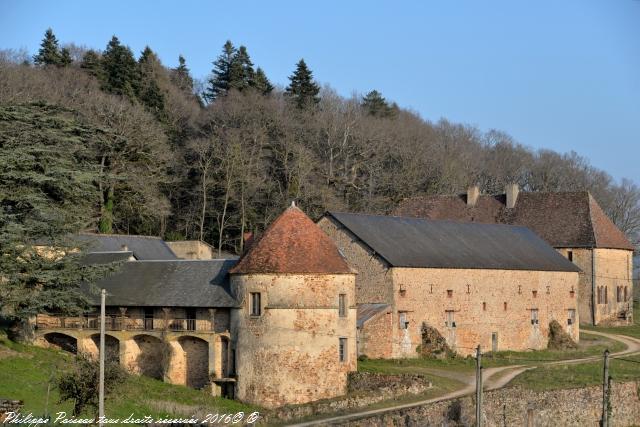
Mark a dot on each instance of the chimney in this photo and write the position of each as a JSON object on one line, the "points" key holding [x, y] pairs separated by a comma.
{"points": [[124, 248], [512, 191], [473, 192]]}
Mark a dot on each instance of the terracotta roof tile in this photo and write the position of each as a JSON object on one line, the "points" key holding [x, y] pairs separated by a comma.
{"points": [[571, 219], [293, 243]]}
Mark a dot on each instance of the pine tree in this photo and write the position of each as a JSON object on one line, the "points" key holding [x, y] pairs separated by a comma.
{"points": [[241, 72], [375, 104], [302, 89], [49, 53], [120, 69], [92, 63], [261, 83], [181, 77], [65, 57], [218, 84], [148, 91]]}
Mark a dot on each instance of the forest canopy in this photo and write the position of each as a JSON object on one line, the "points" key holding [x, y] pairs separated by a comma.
{"points": [[186, 159]]}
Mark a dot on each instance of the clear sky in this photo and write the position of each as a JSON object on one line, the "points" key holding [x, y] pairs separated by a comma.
{"points": [[556, 74]]}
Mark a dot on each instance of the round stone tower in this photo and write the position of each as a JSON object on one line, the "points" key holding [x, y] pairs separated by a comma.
{"points": [[294, 329]]}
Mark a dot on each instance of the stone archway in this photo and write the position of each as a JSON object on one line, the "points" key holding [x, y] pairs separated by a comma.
{"points": [[61, 341], [195, 356], [111, 344], [148, 355]]}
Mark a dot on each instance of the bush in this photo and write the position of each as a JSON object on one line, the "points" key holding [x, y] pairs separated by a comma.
{"points": [[82, 383]]}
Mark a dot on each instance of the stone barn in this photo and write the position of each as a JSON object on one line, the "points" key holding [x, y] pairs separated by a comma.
{"points": [[295, 326], [428, 286], [571, 222]]}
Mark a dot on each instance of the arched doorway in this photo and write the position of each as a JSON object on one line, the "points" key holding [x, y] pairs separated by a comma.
{"points": [[150, 356], [111, 345], [196, 358], [61, 342]]}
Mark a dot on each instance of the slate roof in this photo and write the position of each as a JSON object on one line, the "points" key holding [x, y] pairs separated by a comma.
{"points": [[564, 220], [293, 243], [106, 257], [143, 247], [365, 312], [178, 283], [423, 243]]}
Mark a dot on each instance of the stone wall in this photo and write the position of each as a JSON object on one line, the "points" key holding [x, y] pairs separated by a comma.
{"points": [[373, 282], [373, 337], [8, 405], [289, 354], [613, 268], [481, 303], [519, 407]]}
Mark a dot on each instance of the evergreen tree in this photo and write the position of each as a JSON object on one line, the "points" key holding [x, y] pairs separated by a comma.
{"points": [[65, 57], [218, 84], [92, 63], [375, 104], [261, 83], [241, 74], [148, 90], [120, 69], [47, 191], [181, 77], [49, 53], [302, 89]]}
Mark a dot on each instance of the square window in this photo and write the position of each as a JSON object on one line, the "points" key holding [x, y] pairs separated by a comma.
{"points": [[449, 293], [256, 304], [402, 319], [534, 293]]}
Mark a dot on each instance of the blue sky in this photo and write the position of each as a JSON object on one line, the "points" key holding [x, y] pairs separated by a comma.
{"points": [[561, 75]]}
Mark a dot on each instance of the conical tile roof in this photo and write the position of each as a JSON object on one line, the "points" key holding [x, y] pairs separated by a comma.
{"points": [[293, 243]]}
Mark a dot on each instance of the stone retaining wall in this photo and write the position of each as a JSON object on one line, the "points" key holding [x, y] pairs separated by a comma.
{"points": [[8, 405], [519, 407]]}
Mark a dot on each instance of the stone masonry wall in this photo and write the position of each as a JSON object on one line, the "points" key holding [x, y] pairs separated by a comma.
{"points": [[518, 407], [373, 337], [482, 303], [289, 354], [373, 282]]}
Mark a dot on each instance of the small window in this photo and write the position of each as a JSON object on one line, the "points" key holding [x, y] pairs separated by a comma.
{"points": [[256, 305], [402, 319], [484, 306], [606, 295], [571, 316], [505, 306], [534, 316], [626, 293], [342, 349], [449, 293], [451, 321], [342, 305], [534, 293], [570, 255], [618, 293]]}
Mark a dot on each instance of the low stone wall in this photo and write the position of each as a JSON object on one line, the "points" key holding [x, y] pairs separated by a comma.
{"points": [[8, 405], [364, 389], [519, 407]]}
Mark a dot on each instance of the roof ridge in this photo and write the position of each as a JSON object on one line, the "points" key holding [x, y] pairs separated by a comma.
{"points": [[90, 233], [592, 228]]}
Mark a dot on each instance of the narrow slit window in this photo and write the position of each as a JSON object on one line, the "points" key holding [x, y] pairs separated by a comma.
{"points": [[449, 293], [570, 255], [256, 304], [342, 305], [342, 349], [505, 306]]}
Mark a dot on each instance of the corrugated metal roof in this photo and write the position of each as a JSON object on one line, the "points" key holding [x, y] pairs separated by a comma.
{"points": [[143, 247], [422, 243], [365, 312], [181, 283]]}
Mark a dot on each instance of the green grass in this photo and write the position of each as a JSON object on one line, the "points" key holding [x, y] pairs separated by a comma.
{"points": [[590, 345], [27, 371], [631, 330], [579, 375]]}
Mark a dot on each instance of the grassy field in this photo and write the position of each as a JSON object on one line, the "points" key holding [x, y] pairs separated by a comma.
{"points": [[590, 345], [580, 375], [631, 330], [27, 373]]}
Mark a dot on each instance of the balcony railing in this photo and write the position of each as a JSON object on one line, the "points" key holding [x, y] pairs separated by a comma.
{"points": [[123, 323]]}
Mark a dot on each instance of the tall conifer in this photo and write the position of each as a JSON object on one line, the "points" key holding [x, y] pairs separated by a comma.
{"points": [[261, 83], [218, 84], [302, 89], [120, 68], [49, 53]]}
